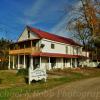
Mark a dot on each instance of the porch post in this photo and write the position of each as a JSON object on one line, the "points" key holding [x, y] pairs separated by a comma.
{"points": [[31, 62], [40, 61], [82, 63], [13, 62], [24, 61], [9, 63], [18, 61], [49, 64], [75, 62], [61, 63], [71, 63]]}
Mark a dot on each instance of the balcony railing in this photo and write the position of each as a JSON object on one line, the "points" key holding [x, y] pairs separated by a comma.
{"points": [[25, 51]]}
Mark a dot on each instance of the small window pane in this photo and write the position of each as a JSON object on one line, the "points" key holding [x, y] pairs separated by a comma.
{"points": [[52, 46], [66, 50], [28, 34]]}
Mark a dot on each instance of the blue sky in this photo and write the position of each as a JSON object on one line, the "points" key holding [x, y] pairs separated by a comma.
{"points": [[48, 15]]}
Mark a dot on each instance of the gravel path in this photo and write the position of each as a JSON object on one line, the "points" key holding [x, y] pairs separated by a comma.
{"points": [[87, 89]]}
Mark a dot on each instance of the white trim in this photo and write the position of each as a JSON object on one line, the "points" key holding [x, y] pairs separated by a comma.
{"points": [[9, 63], [75, 62], [13, 62], [62, 63], [71, 65], [40, 62], [49, 64], [18, 61], [31, 62]]}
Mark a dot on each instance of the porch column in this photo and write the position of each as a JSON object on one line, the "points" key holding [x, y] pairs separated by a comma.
{"points": [[49, 64], [9, 63], [13, 62], [24, 61], [31, 62], [75, 62], [62, 66], [40, 62], [71, 63], [18, 62], [82, 63]]}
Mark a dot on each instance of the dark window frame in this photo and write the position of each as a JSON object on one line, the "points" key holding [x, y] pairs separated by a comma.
{"points": [[66, 49], [28, 34], [52, 46]]}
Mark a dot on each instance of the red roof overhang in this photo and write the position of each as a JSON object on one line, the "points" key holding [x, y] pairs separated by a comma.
{"points": [[44, 54], [50, 36]]}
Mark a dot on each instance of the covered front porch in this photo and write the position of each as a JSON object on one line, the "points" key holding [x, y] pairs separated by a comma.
{"points": [[44, 62]]}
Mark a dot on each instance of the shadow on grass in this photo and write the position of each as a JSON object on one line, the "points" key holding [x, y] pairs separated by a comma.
{"points": [[0, 81]]}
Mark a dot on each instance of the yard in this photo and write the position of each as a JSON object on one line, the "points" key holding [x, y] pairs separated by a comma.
{"points": [[13, 85]]}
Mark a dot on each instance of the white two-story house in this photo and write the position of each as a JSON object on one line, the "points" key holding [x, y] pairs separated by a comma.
{"points": [[37, 48]]}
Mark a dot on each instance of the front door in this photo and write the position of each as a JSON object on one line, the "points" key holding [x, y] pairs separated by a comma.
{"points": [[53, 62]]}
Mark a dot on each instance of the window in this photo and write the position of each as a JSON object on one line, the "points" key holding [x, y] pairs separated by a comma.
{"points": [[28, 34], [33, 44], [73, 50], [66, 50], [52, 46], [27, 44], [77, 50]]}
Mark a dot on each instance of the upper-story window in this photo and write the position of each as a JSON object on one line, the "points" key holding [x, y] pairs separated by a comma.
{"points": [[79, 51], [66, 49], [73, 51], [52, 46], [33, 44], [28, 34]]}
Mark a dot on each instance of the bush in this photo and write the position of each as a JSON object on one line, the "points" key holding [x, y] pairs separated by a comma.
{"points": [[4, 65], [98, 65], [23, 72], [0, 81]]}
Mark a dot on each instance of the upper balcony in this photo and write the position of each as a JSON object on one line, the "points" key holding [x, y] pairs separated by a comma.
{"points": [[25, 51], [24, 47]]}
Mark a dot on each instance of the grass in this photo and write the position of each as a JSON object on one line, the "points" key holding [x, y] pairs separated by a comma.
{"points": [[12, 85]]}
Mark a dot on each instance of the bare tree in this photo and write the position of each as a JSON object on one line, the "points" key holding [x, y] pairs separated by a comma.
{"points": [[85, 22]]}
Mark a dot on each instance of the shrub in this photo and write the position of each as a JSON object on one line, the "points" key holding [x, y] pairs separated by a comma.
{"points": [[23, 72], [4, 65], [98, 65], [0, 81]]}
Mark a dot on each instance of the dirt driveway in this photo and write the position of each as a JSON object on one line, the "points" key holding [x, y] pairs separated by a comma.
{"points": [[87, 89]]}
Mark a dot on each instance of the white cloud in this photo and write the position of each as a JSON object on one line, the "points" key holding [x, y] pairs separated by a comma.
{"points": [[60, 28], [27, 21], [32, 12], [35, 8]]}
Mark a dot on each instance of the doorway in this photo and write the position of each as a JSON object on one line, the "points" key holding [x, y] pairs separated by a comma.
{"points": [[53, 62]]}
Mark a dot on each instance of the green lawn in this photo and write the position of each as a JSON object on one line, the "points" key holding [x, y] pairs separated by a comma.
{"points": [[13, 85]]}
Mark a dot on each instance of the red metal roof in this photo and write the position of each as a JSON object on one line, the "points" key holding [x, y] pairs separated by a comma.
{"points": [[53, 37], [44, 54]]}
